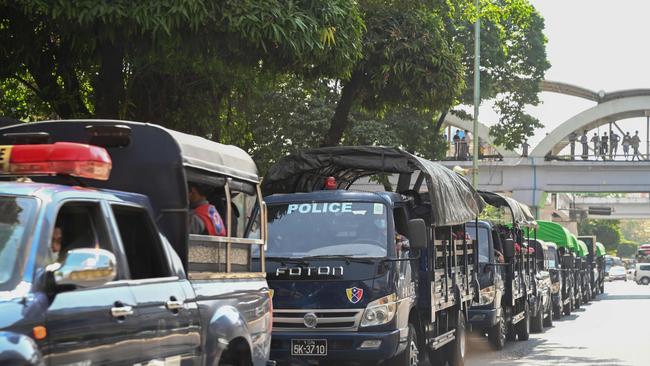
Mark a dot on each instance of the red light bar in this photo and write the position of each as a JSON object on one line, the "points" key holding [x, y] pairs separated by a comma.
{"points": [[79, 160]]}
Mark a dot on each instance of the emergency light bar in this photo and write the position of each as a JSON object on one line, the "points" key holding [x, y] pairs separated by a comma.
{"points": [[65, 158]]}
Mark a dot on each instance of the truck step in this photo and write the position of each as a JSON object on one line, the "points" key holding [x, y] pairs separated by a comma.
{"points": [[517, 318], [443, 339]]}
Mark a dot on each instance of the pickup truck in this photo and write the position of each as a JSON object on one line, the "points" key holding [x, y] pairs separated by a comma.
{"points": [[129, 285]]}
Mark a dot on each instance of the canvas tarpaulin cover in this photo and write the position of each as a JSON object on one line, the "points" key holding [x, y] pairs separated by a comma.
{"points": [[555, 233], [453, 199]]}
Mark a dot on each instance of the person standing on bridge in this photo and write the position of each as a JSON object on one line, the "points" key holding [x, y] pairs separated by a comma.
{"points": [[596, 142], [584, 140], [627, 141], [456, 140], [604, 146], [636, 141], [615, 138], [572, 141]]}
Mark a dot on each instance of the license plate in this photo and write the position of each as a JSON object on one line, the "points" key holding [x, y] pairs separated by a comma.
{"points": [[309, 347]]}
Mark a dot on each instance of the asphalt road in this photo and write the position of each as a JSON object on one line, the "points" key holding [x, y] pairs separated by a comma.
{"points": [[613, 330]]}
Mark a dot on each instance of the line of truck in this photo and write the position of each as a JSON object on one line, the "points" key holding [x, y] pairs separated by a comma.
{"points": [[363, 255]]}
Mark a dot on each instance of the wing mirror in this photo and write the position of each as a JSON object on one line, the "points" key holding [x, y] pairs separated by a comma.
{"points": [[85, 267], [509, 248], [418, 233]]}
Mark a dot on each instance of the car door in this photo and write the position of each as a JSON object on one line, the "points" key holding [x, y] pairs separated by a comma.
{"points": [[166, 310], [88, 325]]}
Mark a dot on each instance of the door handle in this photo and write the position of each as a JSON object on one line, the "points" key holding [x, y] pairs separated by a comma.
{"points": [[121, 311], [174, 305]]}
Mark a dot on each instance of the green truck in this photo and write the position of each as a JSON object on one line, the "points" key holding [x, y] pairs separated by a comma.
{"points": [[567, 244]]}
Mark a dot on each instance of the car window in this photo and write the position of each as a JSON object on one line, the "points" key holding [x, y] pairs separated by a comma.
{"points": [[79, 224], [141, 243], [16, 220]]}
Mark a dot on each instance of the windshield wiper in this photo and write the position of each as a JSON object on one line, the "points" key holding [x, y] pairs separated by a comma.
{"points": [[345, 257]]}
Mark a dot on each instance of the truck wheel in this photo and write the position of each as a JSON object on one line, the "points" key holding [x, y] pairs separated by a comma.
{"points": [[456, 349], [497, 334], [537, 322], [557, 311], [411, 355], [523, 327], [548, 321], [645, 281]]}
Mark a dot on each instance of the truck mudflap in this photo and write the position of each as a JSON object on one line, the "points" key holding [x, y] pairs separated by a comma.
{"points": [[361, 346], [482, 317]]}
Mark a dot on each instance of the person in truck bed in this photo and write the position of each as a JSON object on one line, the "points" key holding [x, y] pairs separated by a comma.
{"points": [[205, 218]]}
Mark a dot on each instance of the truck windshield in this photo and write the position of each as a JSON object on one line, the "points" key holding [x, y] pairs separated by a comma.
{"points": [[483, 243], [352, 229], [16, 215]]}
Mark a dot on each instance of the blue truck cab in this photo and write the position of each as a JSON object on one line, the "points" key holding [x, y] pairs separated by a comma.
{"points": [[104, 270], [345, 292], [367, 275], [515, 290]]}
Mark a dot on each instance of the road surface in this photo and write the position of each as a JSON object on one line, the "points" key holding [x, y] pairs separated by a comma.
{"points": [[613, 330]]}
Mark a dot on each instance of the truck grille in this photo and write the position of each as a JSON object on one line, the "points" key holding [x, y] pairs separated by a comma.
{"points": [[328, 319]]}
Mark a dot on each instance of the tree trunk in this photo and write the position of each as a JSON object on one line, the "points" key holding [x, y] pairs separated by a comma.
{"points": [[340, 120], [440, 121], [109, 84]]}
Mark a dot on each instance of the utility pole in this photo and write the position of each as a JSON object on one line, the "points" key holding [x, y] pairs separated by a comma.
{"points": [[477, 93]]}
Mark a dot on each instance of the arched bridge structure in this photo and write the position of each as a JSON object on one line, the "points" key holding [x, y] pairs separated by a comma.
{"points": [[610, 107], [483, 133], [530, 178]]}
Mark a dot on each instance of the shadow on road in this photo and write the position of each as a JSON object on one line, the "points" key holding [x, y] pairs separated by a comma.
{"points": [[625, 297], [531, 352]]}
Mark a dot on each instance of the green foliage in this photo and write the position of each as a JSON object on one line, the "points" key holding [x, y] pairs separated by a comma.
{"points": [[627, 250], [173, 62], [513, 63], [606, 231]]}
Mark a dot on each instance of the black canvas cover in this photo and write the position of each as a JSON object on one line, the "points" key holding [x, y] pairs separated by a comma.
{"points": [[452, 197], [520, 213]]}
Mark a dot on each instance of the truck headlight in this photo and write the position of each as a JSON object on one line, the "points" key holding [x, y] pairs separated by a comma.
{"points": [[380, 311]]}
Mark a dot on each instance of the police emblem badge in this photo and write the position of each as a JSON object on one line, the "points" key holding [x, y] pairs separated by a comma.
{"points": [[355, 294]]}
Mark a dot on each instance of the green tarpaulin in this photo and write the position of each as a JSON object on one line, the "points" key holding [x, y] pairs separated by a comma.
{"points": [[556, 233], [582, 249], [600, 249]]}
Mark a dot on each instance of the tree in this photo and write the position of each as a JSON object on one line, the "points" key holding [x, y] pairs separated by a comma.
{"points": [[172, 62], [408, 61], [419, 56], [606, 232], [513, 64]]}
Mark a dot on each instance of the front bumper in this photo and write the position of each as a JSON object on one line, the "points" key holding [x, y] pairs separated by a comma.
{"points": [[482, 317], [341, 345]]}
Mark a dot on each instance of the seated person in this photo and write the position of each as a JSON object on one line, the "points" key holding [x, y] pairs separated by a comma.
{"points": [[204, 217], [55, 245]]}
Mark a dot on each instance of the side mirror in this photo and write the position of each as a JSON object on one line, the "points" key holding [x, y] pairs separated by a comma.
{"points": [[509, 248], [85, 267], [417, 233]]}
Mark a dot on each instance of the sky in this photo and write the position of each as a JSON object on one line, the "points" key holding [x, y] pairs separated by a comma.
{"points": [[597, 44]]}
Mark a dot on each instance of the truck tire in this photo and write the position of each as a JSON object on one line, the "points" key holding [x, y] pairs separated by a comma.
{"points": [[548, 321], [523, 327], [537, 322], [557, 311], [411, 355], [498, 333], [645, 281], [457, 348]]}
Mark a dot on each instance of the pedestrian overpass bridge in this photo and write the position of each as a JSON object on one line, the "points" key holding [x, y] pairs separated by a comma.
{"points": [[543, 171]]}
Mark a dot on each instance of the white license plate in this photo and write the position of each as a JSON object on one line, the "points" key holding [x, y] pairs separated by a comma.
{"points": [[309, 347]]}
